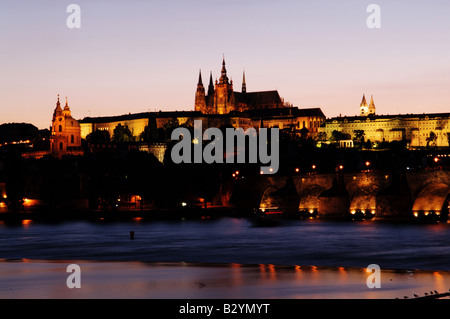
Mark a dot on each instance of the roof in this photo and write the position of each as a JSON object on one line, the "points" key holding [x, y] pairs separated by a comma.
{"points": [[137, 116], [254, 99], [286, 111]]}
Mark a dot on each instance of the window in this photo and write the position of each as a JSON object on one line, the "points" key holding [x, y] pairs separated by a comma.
{"points": [[60, 128], [72, 139], [60, 145]]}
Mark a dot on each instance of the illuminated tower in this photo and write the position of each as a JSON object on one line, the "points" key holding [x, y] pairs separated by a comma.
{"points": [[200, 99], [372, 107], [223, 91], [244, 86], [66, 131], [363, 108]]}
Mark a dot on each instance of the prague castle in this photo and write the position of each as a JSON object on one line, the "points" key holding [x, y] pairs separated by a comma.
{"points": [[221, 106], [222, 99]]}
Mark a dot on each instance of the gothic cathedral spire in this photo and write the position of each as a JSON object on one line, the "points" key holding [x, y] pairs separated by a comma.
{"points": [[244, 85], [200, 99]]}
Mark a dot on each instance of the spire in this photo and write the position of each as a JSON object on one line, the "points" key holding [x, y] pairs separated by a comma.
{"points": [[223, 77], [67, 105], [200, 78], [244, 85], [58, 104], [211, 85], [364, 102], [372, 106]]}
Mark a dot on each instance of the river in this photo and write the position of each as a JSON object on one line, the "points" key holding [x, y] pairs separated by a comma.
{"points": [[234, 240], [223, 258]]}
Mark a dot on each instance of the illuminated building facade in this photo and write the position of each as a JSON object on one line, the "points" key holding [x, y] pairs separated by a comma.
{"points": [[418, 130], [65, 132]]}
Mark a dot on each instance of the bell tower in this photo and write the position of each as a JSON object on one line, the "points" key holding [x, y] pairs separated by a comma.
{"points": [[223, 91]]}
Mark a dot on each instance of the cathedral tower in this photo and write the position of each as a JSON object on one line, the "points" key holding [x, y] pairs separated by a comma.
{"points": [[223, 91], [200, 99]]}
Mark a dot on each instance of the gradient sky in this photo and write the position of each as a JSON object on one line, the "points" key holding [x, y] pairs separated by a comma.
{"points": [[135, 56]]}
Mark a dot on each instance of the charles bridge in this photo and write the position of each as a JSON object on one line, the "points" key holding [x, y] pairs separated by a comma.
{"points": [[378, 194]]}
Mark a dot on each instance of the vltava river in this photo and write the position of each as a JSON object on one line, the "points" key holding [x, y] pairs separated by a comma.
{"points": [[234, 240]]}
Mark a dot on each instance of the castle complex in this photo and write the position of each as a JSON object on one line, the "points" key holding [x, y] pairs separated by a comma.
{"points": [[221, 105]]}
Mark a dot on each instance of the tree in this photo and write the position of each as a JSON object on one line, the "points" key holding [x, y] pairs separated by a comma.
{"points": [[98, 137], [359, 138], [122, 134], [321, 136], [431, 139]]}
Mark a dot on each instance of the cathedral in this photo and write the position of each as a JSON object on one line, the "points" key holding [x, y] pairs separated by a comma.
{"points": [[222, 99]]}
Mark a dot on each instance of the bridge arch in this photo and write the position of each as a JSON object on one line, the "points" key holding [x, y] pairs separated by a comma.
{"points": [[309, 198], [433, 200], [283, 198], [364, 203]]}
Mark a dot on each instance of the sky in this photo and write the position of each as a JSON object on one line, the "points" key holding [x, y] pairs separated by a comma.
{"points": [[145, 55]]}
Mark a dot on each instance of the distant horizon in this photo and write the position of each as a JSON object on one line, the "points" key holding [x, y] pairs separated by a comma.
{"points": [[145, 56]]}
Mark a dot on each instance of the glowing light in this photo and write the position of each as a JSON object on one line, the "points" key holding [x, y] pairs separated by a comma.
{"points": [[183, 204], [416, 214], [373, 212], [271, 169], [363, 211], [311, 211], [426, 213], [234, 175], [367, 163], [137, 219], [297, 170], [341, 167], [436, 159], [314, 167], [26, 222], [353, 212], [5, 196], [237, 172]]}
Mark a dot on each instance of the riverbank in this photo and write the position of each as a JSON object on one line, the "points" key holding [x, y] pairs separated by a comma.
{"points": [[23, 279]]}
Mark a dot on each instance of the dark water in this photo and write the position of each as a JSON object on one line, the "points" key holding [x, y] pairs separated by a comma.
{"points": [[232, 240]]}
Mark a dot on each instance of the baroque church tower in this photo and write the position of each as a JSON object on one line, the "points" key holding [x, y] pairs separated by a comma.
{"points": [[66, 132]]}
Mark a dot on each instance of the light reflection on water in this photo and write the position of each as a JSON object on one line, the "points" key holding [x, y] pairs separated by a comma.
{"points": [[44, 279]]}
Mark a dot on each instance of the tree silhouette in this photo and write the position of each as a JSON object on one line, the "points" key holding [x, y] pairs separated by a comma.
{"points": [[122, 134]]}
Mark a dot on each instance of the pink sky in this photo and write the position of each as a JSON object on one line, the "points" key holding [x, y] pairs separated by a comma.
{"points": [[137, 56]]}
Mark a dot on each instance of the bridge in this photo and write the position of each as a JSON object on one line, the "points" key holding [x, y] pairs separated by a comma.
{"points": [[370, 194]]}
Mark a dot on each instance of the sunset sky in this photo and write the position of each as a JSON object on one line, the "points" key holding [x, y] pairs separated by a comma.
{"points": [[137, 56]]}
